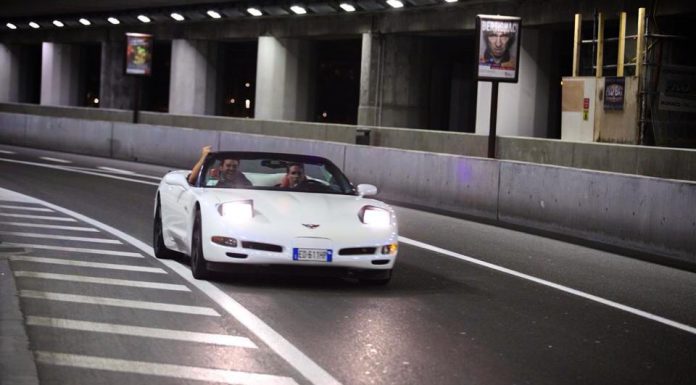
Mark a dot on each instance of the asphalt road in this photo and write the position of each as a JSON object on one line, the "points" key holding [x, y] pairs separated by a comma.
{"points": [[522, 310]]}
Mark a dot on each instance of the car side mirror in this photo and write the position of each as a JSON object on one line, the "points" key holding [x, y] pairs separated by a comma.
{"points": [[365, 190], [176, 179]]}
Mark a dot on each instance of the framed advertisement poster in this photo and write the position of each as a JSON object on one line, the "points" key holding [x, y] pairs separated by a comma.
{"points": [[138, 54], [614, 90], [498, 48]]}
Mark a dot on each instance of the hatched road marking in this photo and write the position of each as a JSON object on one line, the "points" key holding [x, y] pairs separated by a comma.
{"points": [[60, 219], [55, 227], [102, 280], [96, 265], [76, 249], [42, 209], [62, 237]]}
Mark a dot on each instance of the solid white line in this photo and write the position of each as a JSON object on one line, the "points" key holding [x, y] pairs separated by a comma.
{"points": [[54, 159], [72, 169], [26, 208], [72, 228], [106, 301], [556, 286], [168, 334], [116, 170], [296, 358], [165, 370], [96, 265], [60, 219], [101, 280], [76, 249], [7, 152], [62, 237]]}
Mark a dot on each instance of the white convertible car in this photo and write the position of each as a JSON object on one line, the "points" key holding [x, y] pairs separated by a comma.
{"points": [[260, 208]]}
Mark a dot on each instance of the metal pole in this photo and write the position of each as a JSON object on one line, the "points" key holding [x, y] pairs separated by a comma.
{"points": [[622, 45], [494, 113], [576, 44], [600, 46], [640, 41], [136, 98]]}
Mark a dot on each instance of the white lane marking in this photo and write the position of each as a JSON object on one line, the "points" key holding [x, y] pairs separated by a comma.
{"points": [[296, 358], [54, 159], [116, 170], [95, 265], [75, 249], [26, 208], [165, 370], [556, 286], [7, 152], [168, 334], [107, 301], [72, 169], [62, 237], [56, 227], [102, 280], [43, 217]]}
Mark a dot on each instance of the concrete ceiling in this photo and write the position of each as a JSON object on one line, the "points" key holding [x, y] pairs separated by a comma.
{"points": [[27, 8]]}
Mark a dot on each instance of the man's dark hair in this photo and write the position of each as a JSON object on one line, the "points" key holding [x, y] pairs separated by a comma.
{"points": [[300, 165]]}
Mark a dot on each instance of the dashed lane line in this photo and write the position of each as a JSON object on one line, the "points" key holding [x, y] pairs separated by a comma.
{"points": [[55, 227], [62, 237], [108, 301], [128, 330], [102, 280], [57, 160], [164, 370], [42, 217], [95, 265], [75, 249]]}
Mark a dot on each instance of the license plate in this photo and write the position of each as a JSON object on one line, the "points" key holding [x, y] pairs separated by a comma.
{"points": [[318, 255]]}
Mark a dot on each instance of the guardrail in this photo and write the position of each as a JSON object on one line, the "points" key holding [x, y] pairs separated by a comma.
{"points": [[646, 214]]}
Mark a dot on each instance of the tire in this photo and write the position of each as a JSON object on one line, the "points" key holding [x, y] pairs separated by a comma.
{"points": [[379, 280], [198, 264], [161, 251]]}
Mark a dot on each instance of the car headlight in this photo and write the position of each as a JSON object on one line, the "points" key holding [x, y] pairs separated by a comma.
{"points": [[374, 216], [237, 211]]}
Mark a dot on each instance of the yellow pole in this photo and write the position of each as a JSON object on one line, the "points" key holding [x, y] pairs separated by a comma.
{"points": [[576, 45], [600, 45], [640, 40], [622, 45]]}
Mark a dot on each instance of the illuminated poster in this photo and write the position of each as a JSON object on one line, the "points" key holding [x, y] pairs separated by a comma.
{"points": [[138, 54], [498, 48], [614, 89]]}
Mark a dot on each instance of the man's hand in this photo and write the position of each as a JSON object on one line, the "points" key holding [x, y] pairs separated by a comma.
{"points": [[206, 150]]}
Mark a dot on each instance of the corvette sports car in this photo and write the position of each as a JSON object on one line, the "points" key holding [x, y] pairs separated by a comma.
{"points": [[256, 208]]}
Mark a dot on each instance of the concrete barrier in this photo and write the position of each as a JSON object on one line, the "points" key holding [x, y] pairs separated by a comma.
{"points": [[69, 135], [13, 129]]}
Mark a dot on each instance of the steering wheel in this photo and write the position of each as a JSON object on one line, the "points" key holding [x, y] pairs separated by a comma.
{"points": [[311, 184]]}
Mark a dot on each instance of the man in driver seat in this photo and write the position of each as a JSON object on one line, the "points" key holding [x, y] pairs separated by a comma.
{"points": [[294, 176]]}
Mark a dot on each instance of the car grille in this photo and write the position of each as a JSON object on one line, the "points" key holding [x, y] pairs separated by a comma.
{"points": [[357, 251], [262, 246]]}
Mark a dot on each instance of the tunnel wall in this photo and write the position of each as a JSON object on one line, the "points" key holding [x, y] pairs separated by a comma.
{"points": [[639, 213]]}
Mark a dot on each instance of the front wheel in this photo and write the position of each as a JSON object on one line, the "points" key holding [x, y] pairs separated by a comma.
{"points": [[161, 251], [199, 269]]}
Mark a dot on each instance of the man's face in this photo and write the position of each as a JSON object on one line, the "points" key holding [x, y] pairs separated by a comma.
{"points": [[295, 175], [229, 167], [497, 43]]}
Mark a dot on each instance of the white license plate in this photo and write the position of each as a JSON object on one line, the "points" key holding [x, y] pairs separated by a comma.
{"points": [[318, 255]]}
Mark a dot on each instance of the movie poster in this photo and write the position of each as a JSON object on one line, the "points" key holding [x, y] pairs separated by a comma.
{"points": [[498, 45], [138, 54]]}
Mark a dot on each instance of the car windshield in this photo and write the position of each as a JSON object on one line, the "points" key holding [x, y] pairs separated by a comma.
{"points": [[267, 171]]}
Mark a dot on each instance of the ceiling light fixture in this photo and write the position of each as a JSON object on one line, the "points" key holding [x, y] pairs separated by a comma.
{"points": [[298, 10], [214, 14], [113, 21], [11, 26], [177, 16], [144, 19], [395, 3], [84, 21], [58, 23], [451, 1], [254, 12], [347, 7], [34, 25]]}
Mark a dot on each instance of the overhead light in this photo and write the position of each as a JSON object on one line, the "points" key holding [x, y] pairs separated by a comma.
{"points": [[11, 26], [34, 25], [113, 21], [58, 23], [395, 3], [254, 12], [298, 10], [451, 1], [177, 16], [347, 7], [144, 19], [213, 14], [84, 21]]}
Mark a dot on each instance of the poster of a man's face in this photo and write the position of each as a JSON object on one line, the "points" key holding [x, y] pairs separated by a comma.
{"points": [[498, 47]]}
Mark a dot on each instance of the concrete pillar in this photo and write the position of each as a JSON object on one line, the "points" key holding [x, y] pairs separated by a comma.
{"points": [[9, 73], [284, 80], [522, 107], [193, 81], [116, 90], [61, 83], [394, 81]]}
